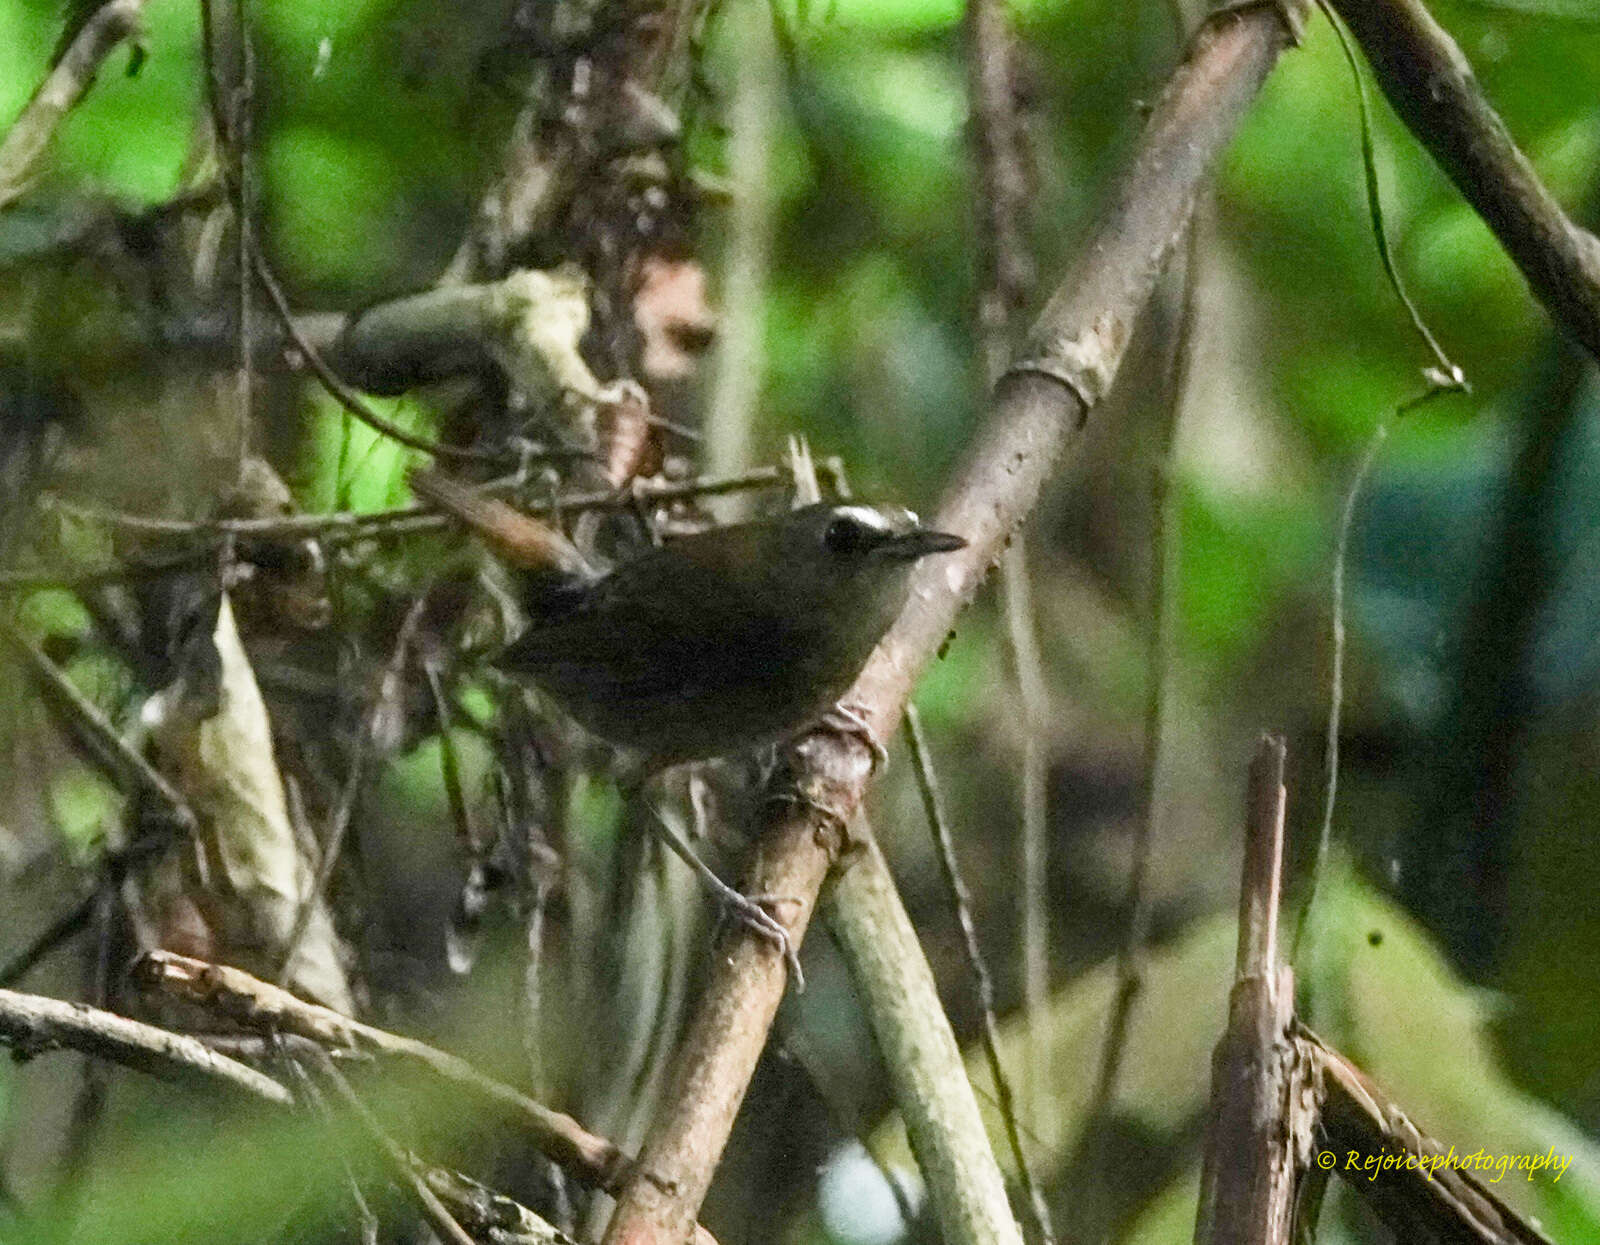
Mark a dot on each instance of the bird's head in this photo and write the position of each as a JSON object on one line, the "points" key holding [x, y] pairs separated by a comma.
{"points": [[848, 556], [854, 537]]}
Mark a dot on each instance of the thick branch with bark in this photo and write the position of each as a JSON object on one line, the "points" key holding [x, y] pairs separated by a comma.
{"points": [[1259, 1136], [1039, 408], [931, 1089], [1432, 87]]}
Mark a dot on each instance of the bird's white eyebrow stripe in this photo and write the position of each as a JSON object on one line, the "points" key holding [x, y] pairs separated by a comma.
{"points": [[866, 516]]}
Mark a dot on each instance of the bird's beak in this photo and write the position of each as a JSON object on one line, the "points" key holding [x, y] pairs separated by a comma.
{"points": [[919, 543]]}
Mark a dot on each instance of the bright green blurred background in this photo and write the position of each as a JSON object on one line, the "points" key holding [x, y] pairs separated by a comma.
{"points": [[1461, 946]]}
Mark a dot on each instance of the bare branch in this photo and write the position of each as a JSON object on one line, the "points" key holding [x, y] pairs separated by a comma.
{"points": [[490, 1215], [1001, 191], [1431, 85], [343, 393], [126, 766], [403, 1164], [345, 526], [1259, 1136], [63, 928], [1430, 1199], [1039, 408], [31, 133], [236, 995], [32, 1024]]}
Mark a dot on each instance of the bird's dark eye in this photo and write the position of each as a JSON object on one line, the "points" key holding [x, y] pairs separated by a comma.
{"points": [[846, 535]]}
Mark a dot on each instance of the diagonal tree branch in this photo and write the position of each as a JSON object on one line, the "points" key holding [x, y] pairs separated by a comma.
{"points": [[31, 133], [1039, 408], [1431, 86], [236, 995], [32, 1024], [1005, 276]]}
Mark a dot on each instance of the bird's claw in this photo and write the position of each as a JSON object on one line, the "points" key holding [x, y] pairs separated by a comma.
{"points": [[848, 720], [751, 911]]}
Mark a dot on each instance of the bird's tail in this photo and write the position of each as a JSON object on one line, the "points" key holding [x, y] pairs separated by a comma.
{"points": [[519, 539]]}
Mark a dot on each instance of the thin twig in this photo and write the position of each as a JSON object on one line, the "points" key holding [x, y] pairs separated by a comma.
{"points": [[1161, 624], [1034, 828], [403, 1164], [449, 762], [309, 1093], [1443, 377], [113, 867], [1330, 778], [522, 829], [945, 850], [1341, 557], [1005, 274], [388, 689], [88, 1104], [32, 1024], [59, 931], [1448, 375], [1430, 84], [346, 525], [342, 393], [31, 133], [99, 577], [125, 765], [236, 995]]}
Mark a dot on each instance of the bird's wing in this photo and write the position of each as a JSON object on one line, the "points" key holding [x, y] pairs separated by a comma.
{"points": [[657, 626]]}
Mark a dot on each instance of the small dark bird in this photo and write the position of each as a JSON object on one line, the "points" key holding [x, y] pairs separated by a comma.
{"points": [[728, 638], [716, 642]]}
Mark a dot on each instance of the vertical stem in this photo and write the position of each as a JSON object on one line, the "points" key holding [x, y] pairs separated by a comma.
{"points": [[231, 98], [931, 1087], [1161, 626], [1330, 755], [736, 386], [1033, 853], [1260, 1113], [1003, 278], [1262, 881], [244, 194], [944, 843]]}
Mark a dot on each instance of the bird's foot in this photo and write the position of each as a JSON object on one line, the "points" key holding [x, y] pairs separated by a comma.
{"points": [[849, 720], [750, 911], [755, 913]]}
